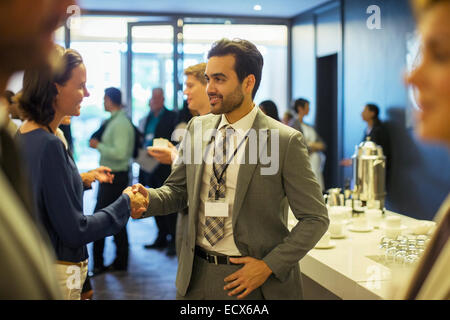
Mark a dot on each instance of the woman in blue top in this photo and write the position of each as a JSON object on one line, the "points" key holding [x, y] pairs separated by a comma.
{"points": [[48, 96]]}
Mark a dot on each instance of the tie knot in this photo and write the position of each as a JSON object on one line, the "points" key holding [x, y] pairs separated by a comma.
{"points": [[226, 129]]}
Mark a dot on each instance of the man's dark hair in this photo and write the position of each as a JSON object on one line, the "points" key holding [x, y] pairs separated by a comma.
{"points": [[115, 95], [301, 102], [248, 59], [39, 86]]}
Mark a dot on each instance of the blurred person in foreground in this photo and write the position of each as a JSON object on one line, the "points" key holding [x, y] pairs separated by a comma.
{"points": [[431, 80], [26, 268]]}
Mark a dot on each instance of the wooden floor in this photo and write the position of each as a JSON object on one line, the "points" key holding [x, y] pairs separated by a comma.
{"points": [[151, 273]]}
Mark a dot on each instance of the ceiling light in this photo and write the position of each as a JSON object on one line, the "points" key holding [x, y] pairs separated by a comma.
{"points": [[257, 7]]}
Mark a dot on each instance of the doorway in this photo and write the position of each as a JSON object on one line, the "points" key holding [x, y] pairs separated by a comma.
{"points": [[327, 115]]}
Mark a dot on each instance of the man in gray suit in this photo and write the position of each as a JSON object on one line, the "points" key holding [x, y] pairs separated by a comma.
{"points": [[238, 242]]}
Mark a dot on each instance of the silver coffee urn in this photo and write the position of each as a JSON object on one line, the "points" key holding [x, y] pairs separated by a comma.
{"points": [[369, 173]]}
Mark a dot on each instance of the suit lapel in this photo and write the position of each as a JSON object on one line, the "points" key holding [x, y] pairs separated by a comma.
{"points": [[247, 170]]}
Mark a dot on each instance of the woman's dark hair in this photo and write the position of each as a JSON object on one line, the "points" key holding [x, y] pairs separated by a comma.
{"points": [[115, 95], [39, 85], [375, 110], [270, 108], [248, 59]]}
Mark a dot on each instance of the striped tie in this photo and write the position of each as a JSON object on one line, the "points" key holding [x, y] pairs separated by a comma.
{"points": [[214, 226]]}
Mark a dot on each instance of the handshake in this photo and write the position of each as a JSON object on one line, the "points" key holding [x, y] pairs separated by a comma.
{"points": [[139, 198]]}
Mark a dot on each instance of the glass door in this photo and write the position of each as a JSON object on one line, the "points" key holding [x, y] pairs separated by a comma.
{"points": [[152, 62]]}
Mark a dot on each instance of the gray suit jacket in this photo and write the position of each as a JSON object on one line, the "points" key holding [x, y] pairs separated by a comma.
{"points": [[259, 226]]}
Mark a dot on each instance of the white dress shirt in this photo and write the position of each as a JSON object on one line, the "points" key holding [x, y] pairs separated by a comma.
{"points": [[241, 127]]}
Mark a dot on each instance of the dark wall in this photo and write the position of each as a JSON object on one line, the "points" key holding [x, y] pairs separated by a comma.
{"points": [[372, 71]]}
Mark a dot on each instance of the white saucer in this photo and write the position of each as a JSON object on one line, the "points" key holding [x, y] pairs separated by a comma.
{"points": [[331, 244], [342, 236], [383, 226], [354, 229]]}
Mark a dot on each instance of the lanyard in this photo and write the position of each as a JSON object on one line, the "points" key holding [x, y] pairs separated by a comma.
{"points": [[227, 163]]}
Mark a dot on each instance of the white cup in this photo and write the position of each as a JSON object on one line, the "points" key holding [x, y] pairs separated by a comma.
{"points": [[325, 240], [348, 203], [423, 227], [392, 233], [360, 222], [336, 228], [160, 142], [393, 222], [339, 213], [374, 216]]}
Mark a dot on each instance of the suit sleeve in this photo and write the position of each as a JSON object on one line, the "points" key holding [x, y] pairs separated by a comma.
{"points": [[306, 201]]}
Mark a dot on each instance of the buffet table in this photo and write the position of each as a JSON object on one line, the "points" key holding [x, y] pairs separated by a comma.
{"points": [[352, 269]]}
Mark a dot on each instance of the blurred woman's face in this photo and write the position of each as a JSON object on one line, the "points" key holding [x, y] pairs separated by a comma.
{"points": [[432, 77], [71, 94]]}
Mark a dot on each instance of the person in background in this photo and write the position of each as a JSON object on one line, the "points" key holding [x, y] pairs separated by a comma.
{"points": [[431, 80], [314, 142], [288, 118], [26, 268], [377, 132], [270, 109], [159, 123], [198, 104], [49, 96], [116, 149]]}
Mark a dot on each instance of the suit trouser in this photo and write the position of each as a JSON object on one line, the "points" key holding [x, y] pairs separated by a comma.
{"points": [[107, 194], [207, 282]]}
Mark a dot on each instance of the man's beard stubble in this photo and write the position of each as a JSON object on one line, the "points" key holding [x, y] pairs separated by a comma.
{"points": [[231, 102]]}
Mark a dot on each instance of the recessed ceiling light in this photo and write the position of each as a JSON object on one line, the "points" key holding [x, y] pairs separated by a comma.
{"points": [[257, 7]]}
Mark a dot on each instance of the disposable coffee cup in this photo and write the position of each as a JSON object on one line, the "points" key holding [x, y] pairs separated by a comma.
{"points": [[160, 142]]}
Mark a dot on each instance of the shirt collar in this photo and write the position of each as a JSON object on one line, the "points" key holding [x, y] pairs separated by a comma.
{"points": [[243, 125]]}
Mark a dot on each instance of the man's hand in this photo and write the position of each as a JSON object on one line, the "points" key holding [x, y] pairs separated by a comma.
{"points": [[346, 162], [139, 198], [102, 174], [164, 155], [251, 276], [93, 143]]}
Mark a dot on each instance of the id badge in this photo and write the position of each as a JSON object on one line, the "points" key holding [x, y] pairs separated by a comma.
{"points": [[216, 208]]}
